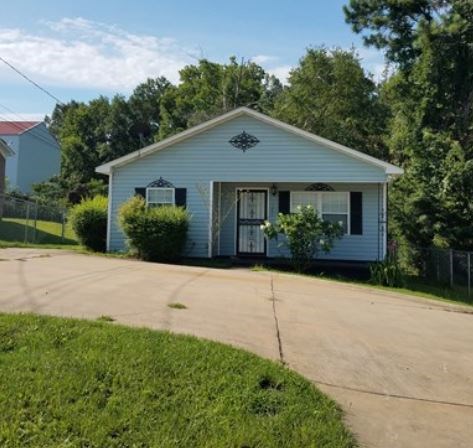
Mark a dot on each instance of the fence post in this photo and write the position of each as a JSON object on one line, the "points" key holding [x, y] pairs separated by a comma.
{"points": [[63, 215], [469, 274], [35, 221], [26, 221], [451, 268]]}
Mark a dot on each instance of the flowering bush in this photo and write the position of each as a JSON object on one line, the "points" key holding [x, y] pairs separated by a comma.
{"points": [[305, 235]]}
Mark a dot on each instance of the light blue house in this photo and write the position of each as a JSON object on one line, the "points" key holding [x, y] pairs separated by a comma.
{"points": [[243, 167], [36, 156]]}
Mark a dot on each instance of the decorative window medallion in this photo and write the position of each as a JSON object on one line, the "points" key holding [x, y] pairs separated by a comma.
{"points": [[160, 183], [244, 141], [319, 187]]}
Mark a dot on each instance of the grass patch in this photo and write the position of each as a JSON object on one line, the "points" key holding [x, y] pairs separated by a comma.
{"points": [[47, 232], [414, 286], [105, 318], [177, 306], [75, 383]]}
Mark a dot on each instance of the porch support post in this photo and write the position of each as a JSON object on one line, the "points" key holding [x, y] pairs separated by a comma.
{"points": [[385, 219], [109, 209], [211, 216]]}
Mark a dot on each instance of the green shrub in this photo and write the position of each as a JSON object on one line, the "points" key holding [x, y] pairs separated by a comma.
{"points": [[305, 235], [158, 233], [89, 222], [387, 272]]}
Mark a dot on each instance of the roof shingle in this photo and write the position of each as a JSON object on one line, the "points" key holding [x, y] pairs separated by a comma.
{"points": [[16, 127]]}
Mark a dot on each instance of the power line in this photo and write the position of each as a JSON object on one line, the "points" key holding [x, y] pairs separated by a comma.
{"points": [[55, 98]]}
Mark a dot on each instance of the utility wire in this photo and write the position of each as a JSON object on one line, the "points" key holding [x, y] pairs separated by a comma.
{"points": [[31, 81]]}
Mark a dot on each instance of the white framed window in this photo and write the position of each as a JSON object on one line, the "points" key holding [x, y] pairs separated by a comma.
{"points": [[303, 198], [156, 196], [332, 206], [335, 207]]}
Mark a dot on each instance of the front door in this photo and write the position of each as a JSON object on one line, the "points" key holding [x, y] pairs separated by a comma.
{"points": [[251, 213]]}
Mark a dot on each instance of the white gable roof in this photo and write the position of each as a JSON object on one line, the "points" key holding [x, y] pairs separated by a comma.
{"points": [[140, 153]]}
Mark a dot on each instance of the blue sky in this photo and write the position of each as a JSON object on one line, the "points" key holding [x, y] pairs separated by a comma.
{"points": [[79, 50]]}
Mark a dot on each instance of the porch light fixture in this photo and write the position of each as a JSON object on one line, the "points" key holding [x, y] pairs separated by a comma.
{"points": [[274, 189]]}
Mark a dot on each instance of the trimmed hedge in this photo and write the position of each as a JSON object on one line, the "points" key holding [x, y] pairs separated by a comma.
{"points": [[158, 233], [89, 222]]}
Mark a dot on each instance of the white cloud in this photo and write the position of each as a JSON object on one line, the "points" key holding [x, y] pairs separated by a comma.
{"points": [[271, 66], [29, 116], [281, 72], [83, 53], [372, 61], [262, 59]]}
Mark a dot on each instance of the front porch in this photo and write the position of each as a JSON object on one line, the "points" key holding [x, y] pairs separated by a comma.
{"points": [[239, 208]]}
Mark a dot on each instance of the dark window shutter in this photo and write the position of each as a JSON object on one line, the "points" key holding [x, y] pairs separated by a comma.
{"points": [[356, 213], [180, 197], [140, 192], [284, 202]]}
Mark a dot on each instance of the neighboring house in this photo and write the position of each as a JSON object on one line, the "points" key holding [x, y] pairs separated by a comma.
{"points": [[37, 156], [243, 167], [5, 151]]}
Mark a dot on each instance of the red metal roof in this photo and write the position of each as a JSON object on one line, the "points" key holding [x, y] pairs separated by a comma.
{"points": [[16, 127]]}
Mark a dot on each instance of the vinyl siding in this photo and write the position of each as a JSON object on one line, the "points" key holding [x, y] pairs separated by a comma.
{"points": [[365, 247], [280, 157], [11, 166], [38, 158]]}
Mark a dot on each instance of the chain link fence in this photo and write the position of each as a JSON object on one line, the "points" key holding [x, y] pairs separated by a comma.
{"points": [[27, 221], [446, 268]]}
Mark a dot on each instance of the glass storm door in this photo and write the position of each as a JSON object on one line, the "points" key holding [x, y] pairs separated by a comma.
{"points": [[251, 213]]}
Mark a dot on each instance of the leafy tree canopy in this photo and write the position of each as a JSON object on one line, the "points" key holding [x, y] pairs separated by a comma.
{"points": [[329, 94], [431, 101]]}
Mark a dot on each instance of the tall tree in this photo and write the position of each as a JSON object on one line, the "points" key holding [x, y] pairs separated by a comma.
{"points": [[430, 43], [209, 89], [329, 94]]}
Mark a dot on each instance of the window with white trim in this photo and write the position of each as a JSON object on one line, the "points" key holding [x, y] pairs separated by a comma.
{"points": [[335, 208], [332, 206], [158, 196], [303, 198]]}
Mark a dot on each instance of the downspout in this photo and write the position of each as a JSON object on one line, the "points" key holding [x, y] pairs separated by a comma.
{"points": [[379, 224], [211, 216], [385, 219], [109, 210]]}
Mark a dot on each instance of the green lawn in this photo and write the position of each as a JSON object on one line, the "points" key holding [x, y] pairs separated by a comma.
{"points": [[70, 383], [413, 286], [47, 232]]}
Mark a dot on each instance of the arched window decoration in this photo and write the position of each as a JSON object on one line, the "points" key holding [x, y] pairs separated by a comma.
{"points": [[319, 187], [160, 183]]}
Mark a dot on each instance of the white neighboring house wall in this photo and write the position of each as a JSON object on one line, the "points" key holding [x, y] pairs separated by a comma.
{"points": [[37, 158]]}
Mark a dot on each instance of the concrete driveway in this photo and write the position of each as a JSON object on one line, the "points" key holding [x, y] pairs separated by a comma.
{"points": [[401, 367]]}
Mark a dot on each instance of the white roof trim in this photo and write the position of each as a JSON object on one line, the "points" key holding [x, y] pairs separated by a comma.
{"points": [[106, 168], [31, 127], [5, 150]]}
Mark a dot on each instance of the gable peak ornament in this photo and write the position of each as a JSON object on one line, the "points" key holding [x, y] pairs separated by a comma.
{"points": [[244, 141]]}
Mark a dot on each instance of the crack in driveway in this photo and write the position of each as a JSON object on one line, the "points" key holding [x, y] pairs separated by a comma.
{"points": [[397, 396], [350, 388], [276, 323]]}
